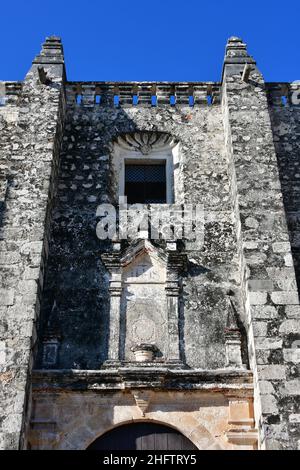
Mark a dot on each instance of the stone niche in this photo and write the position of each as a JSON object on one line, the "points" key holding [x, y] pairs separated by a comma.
{"points": [[144, 305], [144, 297]]}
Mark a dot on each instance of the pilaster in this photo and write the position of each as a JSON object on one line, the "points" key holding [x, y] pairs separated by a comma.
{"points": [[175, 263], [113, 264]]}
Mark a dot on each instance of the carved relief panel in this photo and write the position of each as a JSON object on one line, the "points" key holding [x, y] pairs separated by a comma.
{"points": [[144, 306], [144, 293]]}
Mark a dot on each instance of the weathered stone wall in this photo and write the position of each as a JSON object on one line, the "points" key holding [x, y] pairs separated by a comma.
{"points": [[217, 414], [285, 119], [239, 158], [30, 139], [270, 290], [76, 279]]}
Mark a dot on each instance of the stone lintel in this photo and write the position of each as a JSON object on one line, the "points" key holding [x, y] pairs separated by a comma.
{"points": [[231, 382]]}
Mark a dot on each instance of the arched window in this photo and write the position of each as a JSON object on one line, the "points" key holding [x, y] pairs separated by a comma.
{"points": [[145, 165]]}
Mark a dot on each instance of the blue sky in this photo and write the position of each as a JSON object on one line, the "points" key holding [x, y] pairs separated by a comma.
{"points": [[155, 40]]}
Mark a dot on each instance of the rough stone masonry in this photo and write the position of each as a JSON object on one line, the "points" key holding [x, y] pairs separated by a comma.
{"points": [[223, 318]]}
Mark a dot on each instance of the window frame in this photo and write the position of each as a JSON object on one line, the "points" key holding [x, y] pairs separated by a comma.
{"points": [[145, 163], [137, 158]]}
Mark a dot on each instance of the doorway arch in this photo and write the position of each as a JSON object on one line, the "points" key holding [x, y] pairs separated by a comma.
{"points": [[142, 436]]}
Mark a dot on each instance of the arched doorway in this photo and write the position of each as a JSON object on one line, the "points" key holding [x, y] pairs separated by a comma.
{"points": [[142, 436]]}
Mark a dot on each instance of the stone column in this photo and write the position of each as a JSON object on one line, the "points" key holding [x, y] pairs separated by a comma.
{"points": [[112, 263], [115, 290], [174, 264], [172, 293], [32, 159], [267, 274]]}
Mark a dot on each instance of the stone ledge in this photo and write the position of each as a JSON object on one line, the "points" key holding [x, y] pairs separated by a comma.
{"points": [[229, 381], [240, 437]]}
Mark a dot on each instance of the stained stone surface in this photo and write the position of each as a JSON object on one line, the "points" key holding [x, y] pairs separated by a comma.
{"points": [[31, 130], [75, 276], [238, 155]]}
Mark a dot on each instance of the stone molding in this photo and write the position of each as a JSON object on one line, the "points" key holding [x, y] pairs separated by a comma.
{"points": [[200, 416], [239, 382], [142, 399], [146, 142], [173, 262]]}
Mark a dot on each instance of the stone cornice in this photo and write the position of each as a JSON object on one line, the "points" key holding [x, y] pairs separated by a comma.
{"points": [[226, 381], [174, 260]]}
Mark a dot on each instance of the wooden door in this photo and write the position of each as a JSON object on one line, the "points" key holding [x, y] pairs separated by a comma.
{"points": [[142, 436]]}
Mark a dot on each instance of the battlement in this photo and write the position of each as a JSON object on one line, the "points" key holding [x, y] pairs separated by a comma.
{"points": [[151, 94], [143, 93], [10, 92], [283, 93]]}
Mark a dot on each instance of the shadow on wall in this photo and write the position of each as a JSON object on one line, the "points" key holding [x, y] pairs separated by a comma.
{"points": [[76, 281], [75, 302], [285, 119]]}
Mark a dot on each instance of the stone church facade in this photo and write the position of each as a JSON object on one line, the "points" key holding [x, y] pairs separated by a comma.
{"points": [[97, 334]]}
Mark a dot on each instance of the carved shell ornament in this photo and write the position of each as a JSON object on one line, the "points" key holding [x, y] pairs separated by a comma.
{"points": [[145, 142]]}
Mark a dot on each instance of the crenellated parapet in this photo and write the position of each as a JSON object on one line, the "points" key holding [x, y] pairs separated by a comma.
{"points": [[10, 93], [283, 93], [147, 94]]}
